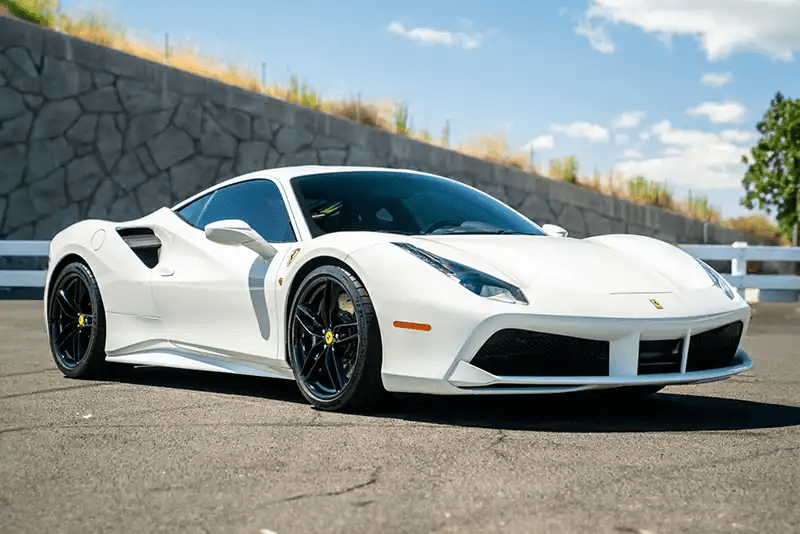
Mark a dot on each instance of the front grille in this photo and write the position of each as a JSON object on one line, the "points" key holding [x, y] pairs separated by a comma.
{"points": [[714, 349], [662, 356], [514, 352]]}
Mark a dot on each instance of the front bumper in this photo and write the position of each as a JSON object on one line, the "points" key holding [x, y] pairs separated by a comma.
{"points": [[424, 367]]}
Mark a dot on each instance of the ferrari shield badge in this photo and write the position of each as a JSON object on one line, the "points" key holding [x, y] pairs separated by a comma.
{"points": [[292, 256], [657, 304]]}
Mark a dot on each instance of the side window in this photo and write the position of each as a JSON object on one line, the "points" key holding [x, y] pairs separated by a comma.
{"points": [[257, 202], [191, 212]]}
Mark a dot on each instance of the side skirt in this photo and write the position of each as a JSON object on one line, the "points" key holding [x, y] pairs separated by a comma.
{"points": [[179, 359]]}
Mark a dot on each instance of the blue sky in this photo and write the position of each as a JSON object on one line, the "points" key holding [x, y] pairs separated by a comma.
{"points": [[670, 89]]}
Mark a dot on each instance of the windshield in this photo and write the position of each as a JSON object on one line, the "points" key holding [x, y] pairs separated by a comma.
{"points": [[402, 203]]}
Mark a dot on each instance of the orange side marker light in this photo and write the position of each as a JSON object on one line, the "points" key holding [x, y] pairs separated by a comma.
{"points": [[412, 326]]}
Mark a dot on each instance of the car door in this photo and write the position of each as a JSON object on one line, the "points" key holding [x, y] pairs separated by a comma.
{"points": [[216, 299]]}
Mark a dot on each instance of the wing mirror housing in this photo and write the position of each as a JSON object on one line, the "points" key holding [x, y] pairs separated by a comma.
{"points": [[236, 232], [553, 230]]}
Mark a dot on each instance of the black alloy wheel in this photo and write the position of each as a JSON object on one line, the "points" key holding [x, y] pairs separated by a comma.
{"points": [[76, 323], [333, 341]]}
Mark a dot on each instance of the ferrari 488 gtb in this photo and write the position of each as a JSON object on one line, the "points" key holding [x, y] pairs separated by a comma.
{"points": [[357, 281]]}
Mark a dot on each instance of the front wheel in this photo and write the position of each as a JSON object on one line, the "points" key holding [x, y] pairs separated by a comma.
{"points": [[334, 341], [76, 323]]}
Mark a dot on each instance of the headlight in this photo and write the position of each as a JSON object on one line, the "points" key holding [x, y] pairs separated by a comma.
{"points": [[480, 283], [717, 279]]}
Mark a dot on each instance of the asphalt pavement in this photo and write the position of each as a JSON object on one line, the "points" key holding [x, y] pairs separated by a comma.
{"points": [[174, 451]]}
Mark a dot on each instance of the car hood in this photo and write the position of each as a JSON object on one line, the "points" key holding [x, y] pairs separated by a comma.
{"points": [[545, 262]]}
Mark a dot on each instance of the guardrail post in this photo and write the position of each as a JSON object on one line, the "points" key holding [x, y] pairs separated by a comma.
{"points": [[739, 263]]}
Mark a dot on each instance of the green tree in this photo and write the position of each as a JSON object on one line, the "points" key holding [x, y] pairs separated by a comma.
{"points": [[773, 178], [41, 12]]}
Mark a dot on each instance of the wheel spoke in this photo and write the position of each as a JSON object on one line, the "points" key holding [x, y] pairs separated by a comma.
{"points": [[66, 306], [333, 303], [330, 367], [340, 369], [345, 325], [310, 317], [80, 296], [76, 347], [64, 336], [312, 361], [324, 310], [348, 338]]}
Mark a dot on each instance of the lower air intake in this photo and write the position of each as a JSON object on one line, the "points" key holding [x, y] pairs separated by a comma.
{"points": [[714, 349], [513, 352], [662, 356]]}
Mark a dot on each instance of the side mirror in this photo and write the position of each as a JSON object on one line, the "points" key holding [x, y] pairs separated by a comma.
{"points": [[236, 232], [553, 230]]}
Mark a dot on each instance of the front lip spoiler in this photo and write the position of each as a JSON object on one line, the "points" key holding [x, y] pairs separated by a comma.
{"points": [[468, 376]]}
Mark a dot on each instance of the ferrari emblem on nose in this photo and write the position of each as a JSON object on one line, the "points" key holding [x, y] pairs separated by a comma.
{"points": [[657, 304]]}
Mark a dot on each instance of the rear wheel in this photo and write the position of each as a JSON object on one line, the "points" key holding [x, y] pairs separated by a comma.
{"points": [[76, 323], [334, 342]]}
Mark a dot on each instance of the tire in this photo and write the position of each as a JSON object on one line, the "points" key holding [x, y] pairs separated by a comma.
{"points": [[334, 343], [76, 323]]}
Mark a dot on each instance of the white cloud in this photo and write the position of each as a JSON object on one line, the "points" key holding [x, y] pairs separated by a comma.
{"points": [[541, 142], [598, 38], [632, 153], [585, 130], [621, 138], [629, 119], [716, 79], [692, 158], [719, 112], [738, 136], [430, 36], [722, 27]]}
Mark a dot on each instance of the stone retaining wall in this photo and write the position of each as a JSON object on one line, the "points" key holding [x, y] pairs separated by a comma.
{"points": [[86, 131]]}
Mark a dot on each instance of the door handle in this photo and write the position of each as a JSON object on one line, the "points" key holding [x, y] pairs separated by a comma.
{"points": [[165, 271]]}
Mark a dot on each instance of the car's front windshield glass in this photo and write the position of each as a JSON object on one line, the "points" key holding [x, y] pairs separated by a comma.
{"points": [[403, 203]]}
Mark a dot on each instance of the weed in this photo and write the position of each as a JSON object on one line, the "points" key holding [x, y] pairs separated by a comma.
{"points": [[644, 191], [698, 208], [565, 168], [495, 148], [401, 118]]}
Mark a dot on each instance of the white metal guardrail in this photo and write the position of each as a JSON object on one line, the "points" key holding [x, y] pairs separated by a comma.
{"points": [[23, 278], [776, 286]]}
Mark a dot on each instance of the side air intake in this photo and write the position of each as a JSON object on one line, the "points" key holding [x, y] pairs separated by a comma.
{"points": [[143, 243]]}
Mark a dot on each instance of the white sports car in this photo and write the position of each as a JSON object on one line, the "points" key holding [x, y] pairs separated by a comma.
{"points": [[355, 281]]}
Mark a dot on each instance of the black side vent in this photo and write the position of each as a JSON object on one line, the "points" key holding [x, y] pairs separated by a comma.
{"points": [[657, 357], [514, 352], [144, 244], [714, 349]]}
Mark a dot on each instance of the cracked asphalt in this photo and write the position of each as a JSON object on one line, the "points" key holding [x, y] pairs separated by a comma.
{"points": [[174, 451]]}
